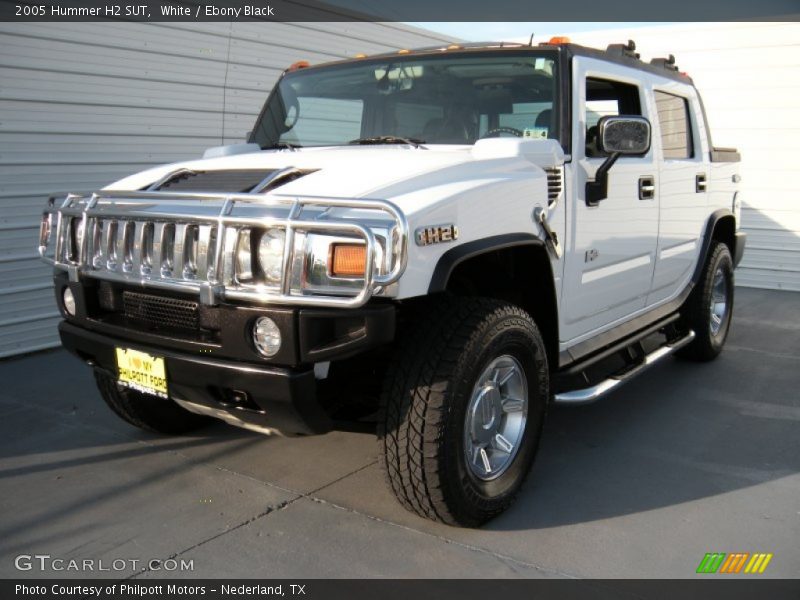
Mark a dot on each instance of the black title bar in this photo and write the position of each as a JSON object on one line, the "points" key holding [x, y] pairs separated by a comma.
{"points": [[398, 10], [386, 589]]}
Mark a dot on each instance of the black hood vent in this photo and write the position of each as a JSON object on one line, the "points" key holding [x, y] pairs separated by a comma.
{"points": [[235, 181]]}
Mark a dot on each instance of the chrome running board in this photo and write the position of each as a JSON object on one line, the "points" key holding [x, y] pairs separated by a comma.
{"points": [[590, 394]]}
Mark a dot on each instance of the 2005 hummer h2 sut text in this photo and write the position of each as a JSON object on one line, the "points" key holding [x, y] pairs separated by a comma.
{"points": [[435, 244]]}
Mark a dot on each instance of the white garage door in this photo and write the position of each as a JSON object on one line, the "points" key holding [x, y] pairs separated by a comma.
{"points": [[82, 105]]}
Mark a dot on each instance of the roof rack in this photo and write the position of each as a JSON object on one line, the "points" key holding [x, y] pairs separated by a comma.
{"points": [[627, 50], [665, 63]]}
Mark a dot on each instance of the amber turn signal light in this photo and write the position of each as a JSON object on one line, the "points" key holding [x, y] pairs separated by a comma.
{"points": [[348, 260]]}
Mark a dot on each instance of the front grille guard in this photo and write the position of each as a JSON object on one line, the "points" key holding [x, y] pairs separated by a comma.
{"points": [[213, 289]]}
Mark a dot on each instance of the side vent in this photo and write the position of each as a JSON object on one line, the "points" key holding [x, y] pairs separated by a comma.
{"points": [[555, 184]]}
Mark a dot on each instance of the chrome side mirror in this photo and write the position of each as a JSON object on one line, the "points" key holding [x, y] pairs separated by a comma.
{"points": [[623, 135]]}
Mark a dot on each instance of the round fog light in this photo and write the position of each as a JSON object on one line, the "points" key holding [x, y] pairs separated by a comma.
{"points": [[69, 302], [267, 336]]}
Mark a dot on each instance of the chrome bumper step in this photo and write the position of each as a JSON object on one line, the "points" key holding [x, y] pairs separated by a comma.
{"points": [[595, 392]]}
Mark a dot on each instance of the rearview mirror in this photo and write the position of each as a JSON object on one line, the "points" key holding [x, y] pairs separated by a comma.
{"points": [[625, 135]]}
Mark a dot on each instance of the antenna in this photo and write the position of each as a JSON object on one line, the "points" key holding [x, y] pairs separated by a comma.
{"points": [[530, 41]]}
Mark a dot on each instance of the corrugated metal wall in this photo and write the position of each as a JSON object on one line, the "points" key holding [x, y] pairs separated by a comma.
{"points": [[84, 104], [749, 77]]}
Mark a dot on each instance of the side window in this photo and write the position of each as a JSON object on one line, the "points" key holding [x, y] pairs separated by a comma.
{"points": [[676, 128], [605, 97]]}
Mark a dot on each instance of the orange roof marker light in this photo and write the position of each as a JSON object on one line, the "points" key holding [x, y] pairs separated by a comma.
{"points": [[300, 64], [454, 47], [360, 55], [558, 40], [404, 51]]}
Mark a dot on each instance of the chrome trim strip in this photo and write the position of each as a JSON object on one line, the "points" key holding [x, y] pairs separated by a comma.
{"points": [[203, 247], [680, 248], [158, 242], [616, 268], [178, 251]]}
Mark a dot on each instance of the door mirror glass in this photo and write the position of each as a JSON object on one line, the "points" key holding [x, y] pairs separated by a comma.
{"points": [[625, 135]]}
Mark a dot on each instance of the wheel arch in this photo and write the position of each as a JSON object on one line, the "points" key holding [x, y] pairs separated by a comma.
{"points": [[720, 227], [513, 267]]}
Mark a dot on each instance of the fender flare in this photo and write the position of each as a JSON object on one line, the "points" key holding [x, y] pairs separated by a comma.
{"points": [[708, 236], [455, 256]]}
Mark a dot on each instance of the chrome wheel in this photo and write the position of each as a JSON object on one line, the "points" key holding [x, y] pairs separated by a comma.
{"points": [[496, 416], [719, 302]]}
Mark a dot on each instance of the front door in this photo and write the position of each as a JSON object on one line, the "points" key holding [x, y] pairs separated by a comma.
{"points": [[611, 256]]}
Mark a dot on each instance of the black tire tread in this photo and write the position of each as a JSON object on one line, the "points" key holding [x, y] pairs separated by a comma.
{"points": [[695, 312], [410, 430]]}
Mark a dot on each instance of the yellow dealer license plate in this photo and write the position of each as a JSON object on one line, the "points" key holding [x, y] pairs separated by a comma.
{"points": [[141, 372]]}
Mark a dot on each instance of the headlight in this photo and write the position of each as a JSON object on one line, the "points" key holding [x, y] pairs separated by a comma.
{"points": [[270, 254]]}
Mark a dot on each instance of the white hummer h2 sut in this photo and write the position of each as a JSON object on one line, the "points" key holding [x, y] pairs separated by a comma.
{"points": [[435, 244]]}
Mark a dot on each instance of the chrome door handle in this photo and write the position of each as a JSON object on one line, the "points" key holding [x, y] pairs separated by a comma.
{"points": [[700, 183], [647, 187]]}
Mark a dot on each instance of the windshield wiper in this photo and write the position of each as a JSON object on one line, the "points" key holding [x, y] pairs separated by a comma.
{"points": [[388, 139], [282, 145]]}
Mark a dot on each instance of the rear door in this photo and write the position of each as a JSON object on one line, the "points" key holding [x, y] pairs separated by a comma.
{"points": [[610, 259], [683, 187]]}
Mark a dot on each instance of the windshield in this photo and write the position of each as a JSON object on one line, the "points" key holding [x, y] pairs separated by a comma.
{"points": [[434, 99]]}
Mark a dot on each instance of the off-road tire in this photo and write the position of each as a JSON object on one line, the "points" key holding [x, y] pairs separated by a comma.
{"points": [[695, 313], [424, 402], [146, 412]]}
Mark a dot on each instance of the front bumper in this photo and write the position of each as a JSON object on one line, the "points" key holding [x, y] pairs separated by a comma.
{"points": [[214, 368], [263, 397]]}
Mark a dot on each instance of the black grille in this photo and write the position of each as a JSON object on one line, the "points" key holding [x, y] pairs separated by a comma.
{"points": [[157, 311]]}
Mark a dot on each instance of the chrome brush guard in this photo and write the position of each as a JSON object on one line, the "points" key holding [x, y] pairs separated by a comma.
{"points": [[187, 242]]}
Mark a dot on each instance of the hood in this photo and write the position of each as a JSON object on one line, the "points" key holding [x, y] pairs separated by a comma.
{"points": [[386, 171]]}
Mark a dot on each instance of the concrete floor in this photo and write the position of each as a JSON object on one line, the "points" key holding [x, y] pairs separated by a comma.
{"points": [[684, 460]]}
